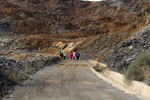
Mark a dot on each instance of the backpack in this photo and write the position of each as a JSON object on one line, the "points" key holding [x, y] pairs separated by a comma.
{"points": [[61, 54], [78, 54]]}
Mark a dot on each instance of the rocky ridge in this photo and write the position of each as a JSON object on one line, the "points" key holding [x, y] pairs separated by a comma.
{"points": [[67, 16]]}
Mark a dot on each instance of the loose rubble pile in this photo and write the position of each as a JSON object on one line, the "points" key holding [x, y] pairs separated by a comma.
{"points": [[123, 55]]}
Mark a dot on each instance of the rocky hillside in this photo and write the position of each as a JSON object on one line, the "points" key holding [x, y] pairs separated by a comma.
{"points": [[128, 19], [100, 30], [124, 54], [66, 16], [120, 49]]}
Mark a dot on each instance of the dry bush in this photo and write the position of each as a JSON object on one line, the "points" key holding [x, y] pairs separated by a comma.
{"points": [[140, 68], [147, 75], [99, 68]]}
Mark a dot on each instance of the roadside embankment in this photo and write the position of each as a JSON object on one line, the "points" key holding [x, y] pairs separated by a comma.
{"points": [[13, 72], [117, 80]]}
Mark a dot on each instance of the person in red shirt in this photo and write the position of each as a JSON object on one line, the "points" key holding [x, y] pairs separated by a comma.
{"points": [[70, 55]]}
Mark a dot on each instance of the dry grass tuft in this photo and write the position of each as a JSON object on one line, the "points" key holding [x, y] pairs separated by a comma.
{"points": [[140, 68]]}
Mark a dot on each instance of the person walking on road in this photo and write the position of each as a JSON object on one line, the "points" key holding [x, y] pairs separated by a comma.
{"points": [[64, 56], [77, 55], [74, 55], [61, 55], [70, 55]]}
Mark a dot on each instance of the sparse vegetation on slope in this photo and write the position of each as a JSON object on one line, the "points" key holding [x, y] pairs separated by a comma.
{"points": [[140, 68], [13, 72]]}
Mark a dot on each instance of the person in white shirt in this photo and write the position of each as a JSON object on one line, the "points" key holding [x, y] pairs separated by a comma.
{"points": [[74, 55], [64, 56]]}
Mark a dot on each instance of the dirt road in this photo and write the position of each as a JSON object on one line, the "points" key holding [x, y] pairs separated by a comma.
{"points": [[69, 80]]}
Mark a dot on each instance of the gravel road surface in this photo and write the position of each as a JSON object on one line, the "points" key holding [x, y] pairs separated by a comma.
{"points": [[68, 80]]}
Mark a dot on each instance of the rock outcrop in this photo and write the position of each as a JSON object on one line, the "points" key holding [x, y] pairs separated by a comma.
{"points": [[124, 54]]}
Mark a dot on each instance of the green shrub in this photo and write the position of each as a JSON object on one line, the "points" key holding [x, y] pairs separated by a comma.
{"points": [[29, 71], [99, 68], [15, 77], [140, 68], [12, 77]]}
